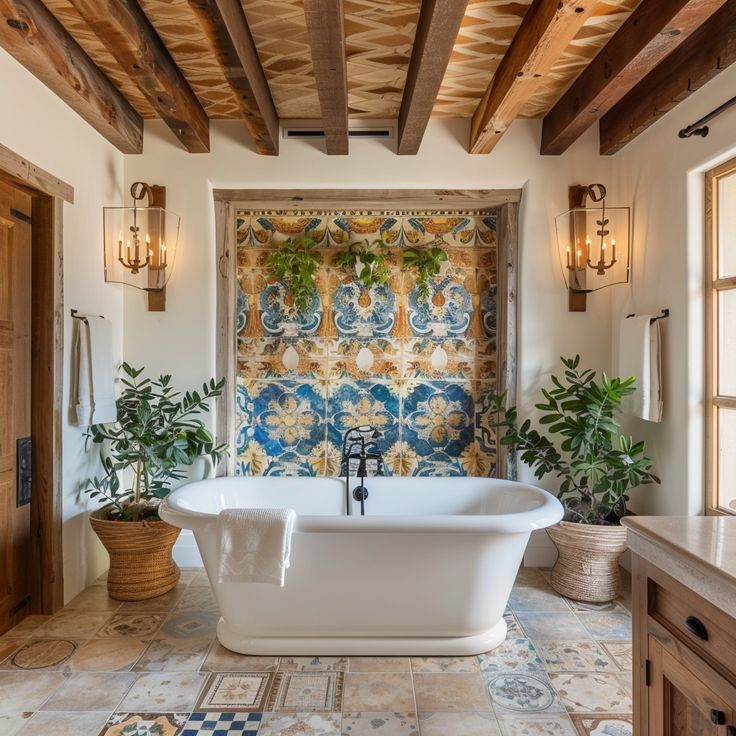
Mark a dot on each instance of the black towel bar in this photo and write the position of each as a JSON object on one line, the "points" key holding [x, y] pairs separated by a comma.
{"points": [[665, 313]]}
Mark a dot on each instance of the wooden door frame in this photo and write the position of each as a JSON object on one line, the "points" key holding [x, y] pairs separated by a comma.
{"points": [[47, 348], [504, 202]]}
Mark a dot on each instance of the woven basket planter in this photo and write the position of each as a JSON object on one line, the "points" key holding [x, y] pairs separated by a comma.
{"points": [[587, 567], [141, 565]]}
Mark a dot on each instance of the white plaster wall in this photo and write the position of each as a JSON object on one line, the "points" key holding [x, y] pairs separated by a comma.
{"points": [[182, 339], [36, 124], [662, 176]]}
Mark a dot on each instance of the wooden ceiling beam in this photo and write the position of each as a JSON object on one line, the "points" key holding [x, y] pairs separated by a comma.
{"points": [[129, 36], [227, 29], [327, 40], [649, 34], [545, 32], [708, 51], [31, 34], [437, 29]]}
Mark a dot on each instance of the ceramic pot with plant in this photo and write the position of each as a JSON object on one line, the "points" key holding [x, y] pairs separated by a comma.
{"points": [[596, 467], [157, 434]]}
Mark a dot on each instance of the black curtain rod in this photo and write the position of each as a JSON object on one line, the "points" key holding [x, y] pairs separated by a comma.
{"points": [[699, 127]]}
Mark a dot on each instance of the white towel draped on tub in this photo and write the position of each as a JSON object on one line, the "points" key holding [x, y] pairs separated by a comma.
{"points": [[639, 356], [93, 379], [254, 545]]}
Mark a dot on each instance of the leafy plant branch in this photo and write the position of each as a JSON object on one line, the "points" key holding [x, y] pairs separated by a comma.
{"points": [[426, 263], [296, 262], [369, 262]]}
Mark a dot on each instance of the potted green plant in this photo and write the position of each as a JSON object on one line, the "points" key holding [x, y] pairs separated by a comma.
{"points": [[426, 263], [596, 466], [296, 262], [369, 262], [157, 433]]}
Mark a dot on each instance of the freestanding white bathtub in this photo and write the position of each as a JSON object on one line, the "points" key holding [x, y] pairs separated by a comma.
{"points": [[427, 571]]}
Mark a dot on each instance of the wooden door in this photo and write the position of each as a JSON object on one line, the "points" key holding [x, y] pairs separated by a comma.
{"points": [[15, 402], [685, 702]]}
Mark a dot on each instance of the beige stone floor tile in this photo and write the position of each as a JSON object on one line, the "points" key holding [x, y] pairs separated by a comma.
{"points": [[602, 724], [450, 691], [381, 724], [8, 646], [380, 664], [72, 624], [621, 651], [300, 724], [313, 664], [444, 664], [591, 692], [575, 656], [531, 577], [160, 604], [107, 655], [173, 655], [65, 724], [220, 659], [25, 691], [198, 599], [93, 599], [91, 691], [459, 724], [41, 654], [163, 692], [26, 628], [188, 624], [11, 723], [607, 626], [536, 725], [134, 625], [384, 692], [552, 626], [536, 599]]}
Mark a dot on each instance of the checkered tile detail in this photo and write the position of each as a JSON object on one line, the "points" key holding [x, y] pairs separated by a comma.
{"points": [[222, 724]]}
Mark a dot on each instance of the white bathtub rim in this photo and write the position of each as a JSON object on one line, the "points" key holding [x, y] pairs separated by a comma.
{"points": [[457, 646]]}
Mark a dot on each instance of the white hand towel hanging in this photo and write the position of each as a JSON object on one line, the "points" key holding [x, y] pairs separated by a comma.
{"points": [[93, 379], [640, 356]]}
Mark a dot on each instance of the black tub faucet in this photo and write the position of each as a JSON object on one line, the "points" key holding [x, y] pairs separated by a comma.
{"points": [[359, 443]]}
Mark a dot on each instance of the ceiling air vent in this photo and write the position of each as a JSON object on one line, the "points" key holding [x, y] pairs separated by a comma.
{"points": [[358, 132]]}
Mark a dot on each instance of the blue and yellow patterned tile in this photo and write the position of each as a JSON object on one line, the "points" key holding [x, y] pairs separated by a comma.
{"points": [[279, 317], [488, 311], [437, 359], [354, 403], [485, 420], [486, 368], [437, 424], [365, 359], [282, 358], [346, 228], [448, 308], [360, 313]]}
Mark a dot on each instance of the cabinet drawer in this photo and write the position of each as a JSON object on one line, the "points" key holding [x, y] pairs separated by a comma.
{"points": [[694, 621]]}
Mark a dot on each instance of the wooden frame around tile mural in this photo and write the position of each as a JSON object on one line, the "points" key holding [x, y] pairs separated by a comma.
{"points": [[419, 369]]}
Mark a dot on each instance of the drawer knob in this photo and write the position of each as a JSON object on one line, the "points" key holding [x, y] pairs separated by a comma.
{"points": [[718, 717], [696, 627]]}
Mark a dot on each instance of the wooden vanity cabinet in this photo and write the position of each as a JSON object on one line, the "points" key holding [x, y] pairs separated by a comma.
{"points": [[684, 659]]}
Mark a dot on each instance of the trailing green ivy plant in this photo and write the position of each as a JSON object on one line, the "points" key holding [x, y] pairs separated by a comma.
{"points": [[596, 464], [296, 263], [158, 431], [426, 262], [368, 261]]}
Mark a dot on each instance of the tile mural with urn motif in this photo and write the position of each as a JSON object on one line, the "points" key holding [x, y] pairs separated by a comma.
{"points": [[418, 368]]}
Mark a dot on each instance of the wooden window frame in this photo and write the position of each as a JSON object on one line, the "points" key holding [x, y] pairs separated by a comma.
{"points": [[47, 349], [505, 203], [712, 288]]}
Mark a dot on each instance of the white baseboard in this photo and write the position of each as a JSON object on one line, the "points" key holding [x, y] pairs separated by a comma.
{"points": [[186, 552]]}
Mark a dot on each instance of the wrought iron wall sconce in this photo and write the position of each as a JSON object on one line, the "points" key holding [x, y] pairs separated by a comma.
{"points": [[141, 243], [594, 244]]}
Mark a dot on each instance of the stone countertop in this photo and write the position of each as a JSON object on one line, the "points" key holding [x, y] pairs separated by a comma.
{"points": [[700, 551]]}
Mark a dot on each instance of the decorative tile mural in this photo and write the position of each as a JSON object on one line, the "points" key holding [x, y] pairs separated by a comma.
{"points": [[419, 370]]}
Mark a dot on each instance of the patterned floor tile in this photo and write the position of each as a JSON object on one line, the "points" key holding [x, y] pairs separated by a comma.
{"points": [[531, 577], [94, 598], [460, 692], [65, 724], [160, 604], [536, 599], [7, 647], [173, 655], [575, 656], [591, 692], [459, 724], [553, 626], [513, 627], [190, 624], [306, 692], [444, 664], [72, 624], [621, 653], [300, 724], [607, 625], [313, 664], [601, 724], [223, 660], [41, 654], [107, 655], [380, 664], [380, 724], [511, 655], [513, 693], [26, 691], [537, 726], [136, 625], [584, 606], [236, 692], [172, 691], [197, 599], [222, 724], [378, 693], [144, 724], [88, 691], [11, 723]]}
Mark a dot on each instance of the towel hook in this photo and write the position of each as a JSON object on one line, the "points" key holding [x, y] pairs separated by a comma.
{"points": [[664, 315], [83, 317]]}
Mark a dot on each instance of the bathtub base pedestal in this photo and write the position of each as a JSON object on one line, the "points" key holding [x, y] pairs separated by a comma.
{"points": [[362, 646]]}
